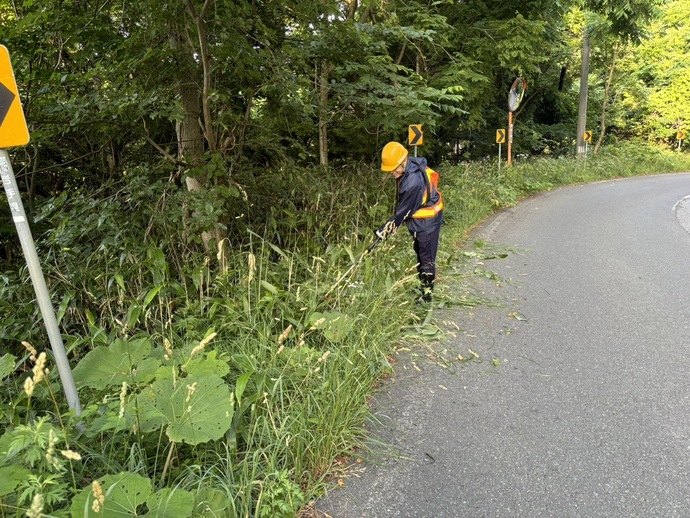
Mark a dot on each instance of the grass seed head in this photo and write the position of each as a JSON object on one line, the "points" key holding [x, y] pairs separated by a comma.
{"points": [[29, 386], [36, 509], [285, 334], [32, 351]]}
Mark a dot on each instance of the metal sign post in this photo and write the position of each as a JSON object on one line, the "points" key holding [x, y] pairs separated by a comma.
{"points": [[500, 139], [587, 137], [517, 92], [38, 280], [681, 137], [509, 158], [14, 132]]}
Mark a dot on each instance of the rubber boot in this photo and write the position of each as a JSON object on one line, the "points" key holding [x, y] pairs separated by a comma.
{"points": [[427, 282]]}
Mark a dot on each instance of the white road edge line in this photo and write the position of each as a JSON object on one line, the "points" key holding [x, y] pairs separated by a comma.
{"points": [[679, 202]]}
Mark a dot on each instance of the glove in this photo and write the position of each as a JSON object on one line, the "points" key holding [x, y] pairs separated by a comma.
{"points": [[385, 231]]}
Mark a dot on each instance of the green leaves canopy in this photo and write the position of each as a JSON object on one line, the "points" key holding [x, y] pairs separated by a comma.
{"points": [[661, 67], [101, 80]]}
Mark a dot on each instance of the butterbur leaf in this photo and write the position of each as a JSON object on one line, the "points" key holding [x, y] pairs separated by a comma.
{"points": [[205, 366], [124, 494], [138, 415], [123, 360], [171, 503], [195, 409], [148, 418], [145, 370]]}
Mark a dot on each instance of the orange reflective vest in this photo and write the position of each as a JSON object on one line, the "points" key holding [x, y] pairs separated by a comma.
{"points": [[429, 211]]}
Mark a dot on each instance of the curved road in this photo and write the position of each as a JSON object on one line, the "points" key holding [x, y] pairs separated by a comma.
{"points": [[580, 405]]}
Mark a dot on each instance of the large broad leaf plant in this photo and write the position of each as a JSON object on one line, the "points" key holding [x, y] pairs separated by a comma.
{"points": [[131, 392]]}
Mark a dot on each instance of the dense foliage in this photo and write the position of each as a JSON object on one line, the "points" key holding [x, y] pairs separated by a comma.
{"points": [[199, 176]]}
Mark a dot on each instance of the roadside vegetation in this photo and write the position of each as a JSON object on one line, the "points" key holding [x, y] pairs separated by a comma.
{"points": [[201, 175], [231, 392]]}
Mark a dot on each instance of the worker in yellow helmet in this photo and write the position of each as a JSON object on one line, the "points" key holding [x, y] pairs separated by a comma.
{"points": [[420, 206]]}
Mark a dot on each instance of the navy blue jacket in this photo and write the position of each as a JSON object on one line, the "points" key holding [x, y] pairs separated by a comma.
{"points": [[411, 188]]}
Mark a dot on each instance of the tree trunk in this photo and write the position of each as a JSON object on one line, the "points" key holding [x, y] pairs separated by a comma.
{"points": [[194, 132], [351, 9], [323, 114], [190, 148], [190, 140], [607, 90], [200, 21], [582, 109], [419, 63], [401, 54]]}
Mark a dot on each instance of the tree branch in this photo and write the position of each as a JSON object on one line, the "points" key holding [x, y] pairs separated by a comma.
{"points": [[351, 9]]}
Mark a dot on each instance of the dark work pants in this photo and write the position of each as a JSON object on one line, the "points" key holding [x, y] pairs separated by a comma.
{"points": [[426, 247]]}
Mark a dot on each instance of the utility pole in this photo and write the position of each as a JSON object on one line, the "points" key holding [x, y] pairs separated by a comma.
{"points": [[582, 109]]}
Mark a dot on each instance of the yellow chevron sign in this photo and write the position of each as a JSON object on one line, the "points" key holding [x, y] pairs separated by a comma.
{"points": [[680, 135], [415, 135], [13, 130], [500, 136], [588, 136]]}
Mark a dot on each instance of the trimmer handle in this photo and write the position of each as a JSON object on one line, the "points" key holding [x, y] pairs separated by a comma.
{"points": [[373, 245]]}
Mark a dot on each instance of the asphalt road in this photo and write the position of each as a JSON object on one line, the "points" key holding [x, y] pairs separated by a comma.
{"points": [[579, 403]]}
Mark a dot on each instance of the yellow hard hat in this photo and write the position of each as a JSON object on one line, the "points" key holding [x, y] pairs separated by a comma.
{"points": [[392, 155]]}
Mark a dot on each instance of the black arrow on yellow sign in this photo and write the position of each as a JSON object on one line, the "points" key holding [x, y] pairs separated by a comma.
{"points": [[13, 130], [6, 99], [416, 135], [500, 136]]}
